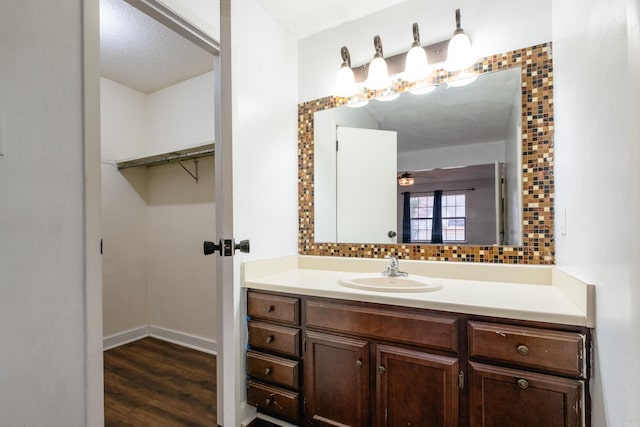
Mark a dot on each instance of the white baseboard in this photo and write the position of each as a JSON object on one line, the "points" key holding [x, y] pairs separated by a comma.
{"points": [[205, 345], [195, 342], [122, 338]]}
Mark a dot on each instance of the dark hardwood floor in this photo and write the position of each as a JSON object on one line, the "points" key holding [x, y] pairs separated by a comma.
{"points": [[155, 383]]}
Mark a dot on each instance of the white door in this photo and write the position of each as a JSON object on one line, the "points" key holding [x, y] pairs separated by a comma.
{"points": [[366, 171]]}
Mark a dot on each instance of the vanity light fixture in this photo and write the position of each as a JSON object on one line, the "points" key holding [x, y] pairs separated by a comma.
{"points": [[417, 66], [406, 180], [345, 80], [460, 53], [378, 74]]}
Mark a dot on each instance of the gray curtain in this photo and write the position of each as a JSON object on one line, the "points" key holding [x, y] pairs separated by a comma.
{"points": [[436, 230]]}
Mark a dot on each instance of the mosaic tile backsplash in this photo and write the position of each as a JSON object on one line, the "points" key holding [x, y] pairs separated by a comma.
{"points": [[537, 173]]}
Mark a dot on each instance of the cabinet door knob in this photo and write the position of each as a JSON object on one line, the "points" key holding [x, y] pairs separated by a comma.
{"points": [[267, 371], [359, 363], [270, 309], [523, 349], [267, 401], [381, 369], [523, 384], [270, 339]]}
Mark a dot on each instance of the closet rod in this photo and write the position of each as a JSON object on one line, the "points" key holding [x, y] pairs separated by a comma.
{"points": [[167, 158]]}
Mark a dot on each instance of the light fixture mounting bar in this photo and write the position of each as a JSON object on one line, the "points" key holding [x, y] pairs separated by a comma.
{"points": [[436, 53]]}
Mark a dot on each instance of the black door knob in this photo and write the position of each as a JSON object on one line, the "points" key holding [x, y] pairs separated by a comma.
{"points": [[211, 247], [243, 246]]}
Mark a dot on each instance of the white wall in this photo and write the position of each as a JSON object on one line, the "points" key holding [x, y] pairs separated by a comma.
{"points": [[155, 219], [181, 115], [42, 269], [124, 131], [125, 257], [181, 215], [494, 26], [482, 153], [596, 114], [264, 133]]}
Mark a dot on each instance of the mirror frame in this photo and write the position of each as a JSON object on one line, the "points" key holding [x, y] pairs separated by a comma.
{"points": [[536, 63]]}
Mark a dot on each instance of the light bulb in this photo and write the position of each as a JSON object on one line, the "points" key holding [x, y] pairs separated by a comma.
{"points": [[345, 82], [460, 54], [417, 66], [378, 75]]}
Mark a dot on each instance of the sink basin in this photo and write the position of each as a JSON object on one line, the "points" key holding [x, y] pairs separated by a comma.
{"points": [[379, 282]]}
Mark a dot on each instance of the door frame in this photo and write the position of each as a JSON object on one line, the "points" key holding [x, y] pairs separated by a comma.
{"points": [[93, 335]]}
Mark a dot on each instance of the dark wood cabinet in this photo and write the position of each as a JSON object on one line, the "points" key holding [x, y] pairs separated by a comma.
{"points": [[416, 388], [337, 380], [327, 362], [273, 358], [517, 398]]}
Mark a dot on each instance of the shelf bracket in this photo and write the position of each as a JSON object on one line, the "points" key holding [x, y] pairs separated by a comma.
{"points": [[194, 176]]}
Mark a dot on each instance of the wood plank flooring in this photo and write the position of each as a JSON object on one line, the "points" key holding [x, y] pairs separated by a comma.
{"points": [[155, 383]]}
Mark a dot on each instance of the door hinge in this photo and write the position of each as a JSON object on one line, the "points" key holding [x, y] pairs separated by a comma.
{"points": [[304, 345], [336, 145], [461, 379]]}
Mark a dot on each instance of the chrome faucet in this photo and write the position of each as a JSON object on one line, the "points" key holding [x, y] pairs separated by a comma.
{"points": [[393, 269]]}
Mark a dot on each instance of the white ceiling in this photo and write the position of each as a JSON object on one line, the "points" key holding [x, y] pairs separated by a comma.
{"points": [[139, 52], [304, 18]]}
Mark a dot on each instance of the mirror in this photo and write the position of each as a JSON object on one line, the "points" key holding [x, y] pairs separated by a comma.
{"points": [[465, 141]]}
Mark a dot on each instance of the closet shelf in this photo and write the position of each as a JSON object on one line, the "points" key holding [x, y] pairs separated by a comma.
{"points": [[192, 153]]}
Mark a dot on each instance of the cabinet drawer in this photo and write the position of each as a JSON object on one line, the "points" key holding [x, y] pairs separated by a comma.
{"points": [[440, 332], [273, 369], [273, 307], [274, 338], [554, 351], [274, 401]]}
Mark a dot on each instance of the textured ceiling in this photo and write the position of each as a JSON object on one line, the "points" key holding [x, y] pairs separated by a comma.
{"points": [[304, 18], [139, 52], [478, 112]]}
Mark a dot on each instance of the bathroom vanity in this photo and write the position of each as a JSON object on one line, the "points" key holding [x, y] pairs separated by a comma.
{"points": [[475, 352]]}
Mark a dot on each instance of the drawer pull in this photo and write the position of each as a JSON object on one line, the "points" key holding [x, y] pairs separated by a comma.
{"points": [[381, 369], [270, 309], [270, 339], [523, 384], [267, 371], [269, 400], [359, 363], [523, 350]]}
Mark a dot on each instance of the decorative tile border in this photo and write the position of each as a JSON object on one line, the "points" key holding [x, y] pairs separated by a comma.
{"points": [[537, 174]]}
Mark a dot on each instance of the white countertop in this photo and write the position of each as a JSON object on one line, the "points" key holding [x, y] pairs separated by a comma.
{"points": [[559, 299]]}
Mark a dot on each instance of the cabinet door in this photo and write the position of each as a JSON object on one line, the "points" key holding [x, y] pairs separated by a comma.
{"points": [[516, 398], [416, 388], [336, 380]]}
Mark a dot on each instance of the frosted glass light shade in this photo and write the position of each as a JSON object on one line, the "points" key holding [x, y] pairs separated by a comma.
{"points": [[460, 53], [378, 75], [417, 66], [345, 82]]}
